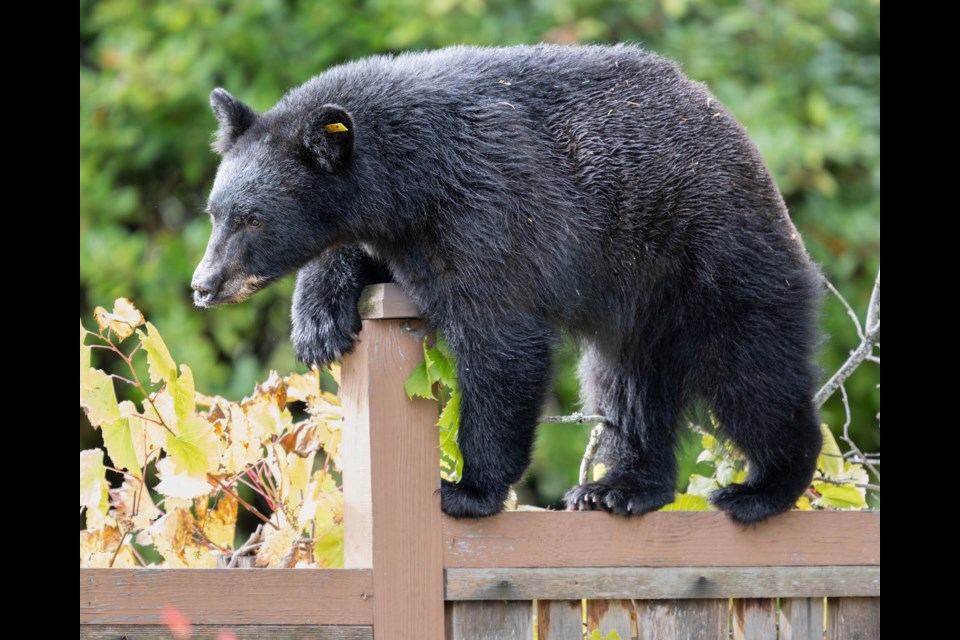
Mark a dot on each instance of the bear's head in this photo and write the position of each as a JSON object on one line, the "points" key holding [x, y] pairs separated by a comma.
{"points": [[274, 198]]}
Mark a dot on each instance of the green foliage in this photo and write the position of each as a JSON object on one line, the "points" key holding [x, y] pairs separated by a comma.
{"points": [[436, 379], [803, 76], [201, 456]]}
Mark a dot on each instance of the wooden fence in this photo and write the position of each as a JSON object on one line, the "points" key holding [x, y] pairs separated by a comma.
{"points": [[412, 573]]}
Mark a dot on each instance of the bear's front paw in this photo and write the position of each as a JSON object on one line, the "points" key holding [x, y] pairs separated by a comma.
{"points": [[460, 501], [321, 340], [621, 498]]}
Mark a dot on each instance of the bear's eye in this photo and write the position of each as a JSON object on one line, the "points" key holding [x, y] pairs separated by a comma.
{"points": [[251, 221]]}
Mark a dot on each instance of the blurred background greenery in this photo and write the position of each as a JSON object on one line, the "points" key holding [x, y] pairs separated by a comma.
{"points": [[802, 75]]}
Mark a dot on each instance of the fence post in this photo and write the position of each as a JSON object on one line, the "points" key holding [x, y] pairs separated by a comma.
{"points": [[391, 471]]}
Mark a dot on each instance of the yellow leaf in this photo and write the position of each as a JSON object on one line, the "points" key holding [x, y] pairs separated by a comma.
{"points": [[322, 504], [276, 545], [133, 499], [302, 387], [830, 461], [98, 547], [294, 474], [99, 398], [175, 538], [266, 409], [118, 439], [93, 482], [122, 321], [219, 524], [328, 549], [803, 504], [159, 360], [177, 484], [335, 372], [183, 393]]}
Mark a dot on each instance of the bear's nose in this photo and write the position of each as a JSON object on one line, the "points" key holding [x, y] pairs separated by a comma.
{"points": [[205, 288]]}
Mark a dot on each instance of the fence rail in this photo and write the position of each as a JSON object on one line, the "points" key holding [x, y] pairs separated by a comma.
{"points": [[414, 574]]}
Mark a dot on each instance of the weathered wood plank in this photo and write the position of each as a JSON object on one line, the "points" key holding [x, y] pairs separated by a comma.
{"points": [[755, 619], [380, 301], [504, 620], [610, 583], [802, 618], [243, 632], [227, 596], [682, 619], [403, 501], [668, 539], [853, 618], [559, 619], [610, 615]]}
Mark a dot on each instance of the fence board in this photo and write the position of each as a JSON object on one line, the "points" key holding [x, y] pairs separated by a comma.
{"points": [[853, 618], [559, 619], [227, 596], [682, 619], [801, 618], [610, 583], [503, 620], [610, 615], [243, 632], [667, 539], [755, 619], [403, 500]]}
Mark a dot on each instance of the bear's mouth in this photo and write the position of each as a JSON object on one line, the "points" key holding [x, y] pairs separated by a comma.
{"points": [[232, 291]]}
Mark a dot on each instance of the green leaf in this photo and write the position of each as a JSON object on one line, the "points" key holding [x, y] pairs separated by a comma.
{"points": [[844, 496], [118, 440], [450, 416], [830, 461], [194, 449], [687, 502], [418, 384], [161, 363], [99, 398], [183, 392], [328, 550], [92, 478], [440, 368]]}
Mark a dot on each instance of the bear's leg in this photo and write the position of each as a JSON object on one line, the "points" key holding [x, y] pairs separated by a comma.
{"points": [[642, 408], [503, 375], [324, 314], [768, 414]]}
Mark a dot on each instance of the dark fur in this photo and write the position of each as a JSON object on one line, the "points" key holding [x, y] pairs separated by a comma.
{"points": [[517, 192]]}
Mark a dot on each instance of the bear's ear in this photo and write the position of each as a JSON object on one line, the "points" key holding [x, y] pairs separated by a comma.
{"points": [[328, 137], [234, 117]]}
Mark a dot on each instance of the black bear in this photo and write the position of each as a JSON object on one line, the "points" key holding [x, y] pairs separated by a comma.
{"points": [[517, 192]]}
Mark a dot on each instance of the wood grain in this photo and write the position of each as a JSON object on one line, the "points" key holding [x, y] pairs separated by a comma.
{"points": [[381, 301], [610, 615], [801, 618], [755, 619], [242, 632], [682, 619], [404, 478], [607, 583], [559, 619], [489, 621], [668, 539], [227, 596], [853, 619]]}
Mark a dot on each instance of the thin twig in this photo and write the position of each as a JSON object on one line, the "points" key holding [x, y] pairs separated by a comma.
{"points": [[574, 418], [249, 507], [842, 483], [860, 354], [846, 305], [253, 542], [846, 435], [591, 451]]}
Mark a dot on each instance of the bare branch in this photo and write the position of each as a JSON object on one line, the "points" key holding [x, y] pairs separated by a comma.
{"points": [[859, 354], [873, 310], [846, 435]]}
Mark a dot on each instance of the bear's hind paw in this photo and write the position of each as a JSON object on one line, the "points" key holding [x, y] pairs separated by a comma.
{"points": [[616, 498]]}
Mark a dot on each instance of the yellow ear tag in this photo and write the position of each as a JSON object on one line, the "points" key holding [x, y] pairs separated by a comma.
{"points": [[335, 127]]}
